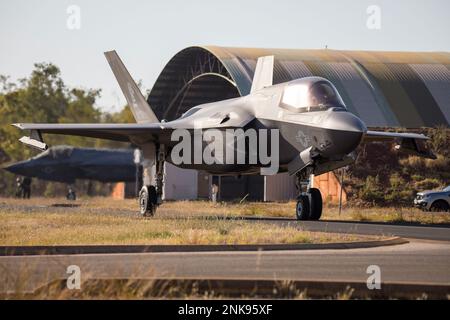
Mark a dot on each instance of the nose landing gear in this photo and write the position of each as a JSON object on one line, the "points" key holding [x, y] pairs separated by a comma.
{"points": [[309, 201], [302, 208], [315, 204]]}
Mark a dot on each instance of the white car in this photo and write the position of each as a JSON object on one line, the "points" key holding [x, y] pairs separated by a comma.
{"points": [[434, 200]]}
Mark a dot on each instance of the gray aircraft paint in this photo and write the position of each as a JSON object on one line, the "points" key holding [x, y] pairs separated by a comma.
{"points": [[330, 134], [67, 164]]}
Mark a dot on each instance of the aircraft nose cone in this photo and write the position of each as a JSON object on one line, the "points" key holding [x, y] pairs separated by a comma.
{"points": [[345, 121], [344, 133], [16, 168]]}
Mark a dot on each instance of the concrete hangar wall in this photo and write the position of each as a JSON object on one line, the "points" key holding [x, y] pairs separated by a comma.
{"points": [[385, 89]]}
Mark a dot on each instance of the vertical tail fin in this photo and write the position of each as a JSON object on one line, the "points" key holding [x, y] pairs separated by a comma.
{"points": [[263, 73], [142, 112]]}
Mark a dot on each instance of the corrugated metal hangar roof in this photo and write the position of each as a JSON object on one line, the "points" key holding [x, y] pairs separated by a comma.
{"points": [[386, 89]]}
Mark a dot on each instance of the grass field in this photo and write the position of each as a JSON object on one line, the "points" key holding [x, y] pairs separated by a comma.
{"points": [[287, 209], [44, 221], [41, 221], [107, 289]]}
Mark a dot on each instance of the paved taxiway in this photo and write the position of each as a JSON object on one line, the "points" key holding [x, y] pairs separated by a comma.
{"points": [[441, 233], [415, 262], [423, 260]]}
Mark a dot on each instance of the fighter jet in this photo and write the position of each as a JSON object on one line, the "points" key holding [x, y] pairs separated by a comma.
{"points": [[67, 164], [304, 123]]}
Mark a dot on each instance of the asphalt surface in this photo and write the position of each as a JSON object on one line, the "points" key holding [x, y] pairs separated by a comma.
{"points": [[441, 233], [425, 260], [417, 262]]}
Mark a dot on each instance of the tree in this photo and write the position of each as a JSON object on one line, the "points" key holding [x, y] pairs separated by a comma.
{"points": [[43, 97]]}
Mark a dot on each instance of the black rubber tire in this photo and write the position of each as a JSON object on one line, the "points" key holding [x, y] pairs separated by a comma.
{"points": [[71, 196], [152, 195], [439, 206], [302, 207], [147, 201], [315, 204]]}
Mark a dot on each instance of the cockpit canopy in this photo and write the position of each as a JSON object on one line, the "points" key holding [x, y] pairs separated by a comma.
{"points": [[310, 94], [58, 152]]}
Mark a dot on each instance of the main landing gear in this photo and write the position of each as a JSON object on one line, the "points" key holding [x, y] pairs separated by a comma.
{"points": [[148, 201], [309, 201], [150, 196]]}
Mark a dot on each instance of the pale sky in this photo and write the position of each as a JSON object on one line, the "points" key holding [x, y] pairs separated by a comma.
{"points": [[147, 34]]}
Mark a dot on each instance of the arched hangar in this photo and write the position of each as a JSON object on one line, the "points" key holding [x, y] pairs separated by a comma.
{"points": [[385, 89]]}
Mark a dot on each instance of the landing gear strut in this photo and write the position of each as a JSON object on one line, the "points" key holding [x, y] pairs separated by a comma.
{"points": [[150, 196], [309, 201]]}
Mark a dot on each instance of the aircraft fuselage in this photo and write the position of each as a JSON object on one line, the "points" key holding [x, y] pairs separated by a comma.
{"points": [[330, 131]]}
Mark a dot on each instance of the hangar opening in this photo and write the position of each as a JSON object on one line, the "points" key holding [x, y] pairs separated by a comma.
{"points": [[385, 89], [193, 76]]}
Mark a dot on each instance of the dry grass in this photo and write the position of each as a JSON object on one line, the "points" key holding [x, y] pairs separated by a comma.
{"points": [[390, 215], [330, 212], [105, 221], [125, 289], [22, 284]]}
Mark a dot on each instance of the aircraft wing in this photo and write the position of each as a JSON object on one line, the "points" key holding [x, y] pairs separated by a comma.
{"points": [[135, 132], [412, 143]]}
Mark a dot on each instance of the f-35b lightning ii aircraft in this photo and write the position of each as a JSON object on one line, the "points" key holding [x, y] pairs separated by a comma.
{"points": [[68, 164], [313, 133]]}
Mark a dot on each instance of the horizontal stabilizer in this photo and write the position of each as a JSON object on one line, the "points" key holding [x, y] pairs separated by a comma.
{"points": [[34, 140], [411, 143], [33, 143]]}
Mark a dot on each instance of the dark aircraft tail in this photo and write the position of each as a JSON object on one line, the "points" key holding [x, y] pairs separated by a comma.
{"points": [[142, 112]]}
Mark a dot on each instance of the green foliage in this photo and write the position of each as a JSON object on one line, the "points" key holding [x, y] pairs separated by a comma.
{"points": [[51, 190], [441, 164], [380, 175], [43, 97], [123, 116], [383, 176], [428, 184], [371, 191], [440, 137]]}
